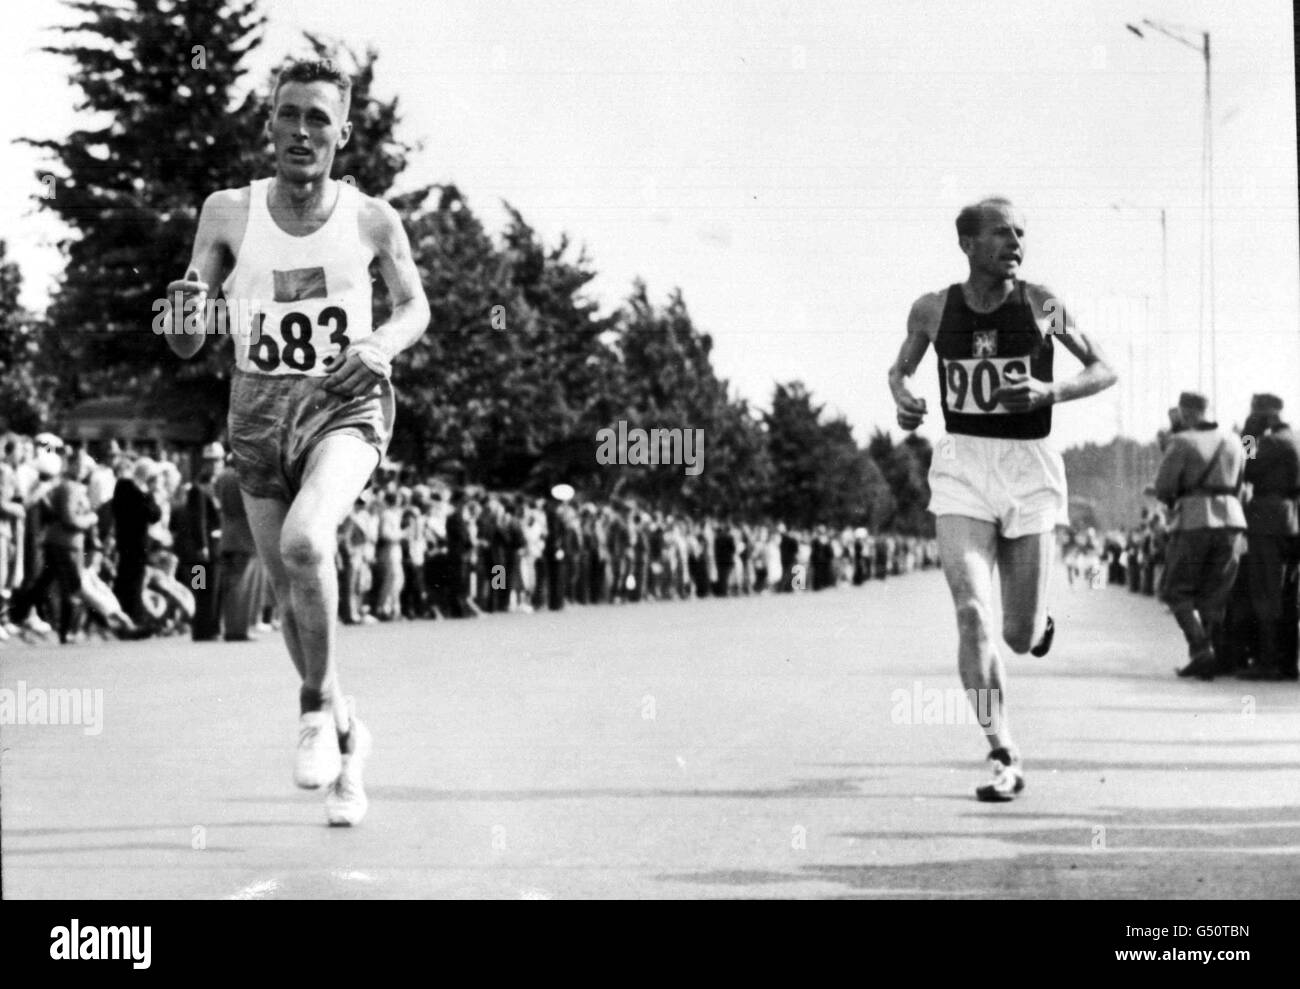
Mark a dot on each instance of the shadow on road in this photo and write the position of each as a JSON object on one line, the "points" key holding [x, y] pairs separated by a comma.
{"points": [[1191, 852]]}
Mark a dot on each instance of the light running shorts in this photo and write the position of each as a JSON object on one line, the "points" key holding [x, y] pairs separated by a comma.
{"points": [[1017, 484], [275, 421]]}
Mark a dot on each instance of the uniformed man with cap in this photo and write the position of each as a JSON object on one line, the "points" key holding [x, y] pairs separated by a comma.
{"points": [[1273, 473], [1200, 479]]}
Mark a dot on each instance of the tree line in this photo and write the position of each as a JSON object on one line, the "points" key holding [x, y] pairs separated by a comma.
{"points": [[520, 368]]}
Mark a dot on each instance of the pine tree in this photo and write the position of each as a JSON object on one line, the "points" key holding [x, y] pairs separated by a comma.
{"points": [[668, 381], [165, 129], [25, 387]]}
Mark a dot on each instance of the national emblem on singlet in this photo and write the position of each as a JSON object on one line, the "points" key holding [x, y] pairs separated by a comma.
{"points": [[977, 353], [301, 300]]}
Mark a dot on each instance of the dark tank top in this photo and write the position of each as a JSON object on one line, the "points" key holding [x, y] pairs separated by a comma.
{"points": [[976, 352]]}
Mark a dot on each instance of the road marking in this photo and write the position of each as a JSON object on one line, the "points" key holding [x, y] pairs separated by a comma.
{"points": [[354, 876], [257, 890]]}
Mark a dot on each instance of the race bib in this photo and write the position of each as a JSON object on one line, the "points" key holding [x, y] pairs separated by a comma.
{"points": [[972, 381], [298, 340]]}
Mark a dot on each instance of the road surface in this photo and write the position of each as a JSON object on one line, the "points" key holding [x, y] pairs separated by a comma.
{"points": [[780, 746]]}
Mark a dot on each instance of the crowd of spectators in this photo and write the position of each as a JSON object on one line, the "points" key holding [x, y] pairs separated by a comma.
{"points": [[115, 542], [430, 551], [1134, 558]]}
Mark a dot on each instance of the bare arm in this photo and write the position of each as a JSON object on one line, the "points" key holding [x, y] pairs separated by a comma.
{"points": [[410, 316], [208, 266], [1097, 375], [911, 410], [354, 375]]}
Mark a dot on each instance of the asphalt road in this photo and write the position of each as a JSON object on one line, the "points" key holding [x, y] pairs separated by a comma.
{"points": [[756, 747]]}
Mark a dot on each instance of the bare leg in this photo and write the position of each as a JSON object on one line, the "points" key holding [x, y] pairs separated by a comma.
{"points": [[967, 549], [299, 555], [266, 519], [1025, 570]]}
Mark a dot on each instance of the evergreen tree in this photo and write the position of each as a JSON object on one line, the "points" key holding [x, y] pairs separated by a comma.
{"points": [[453, 386], [822, 477], [158, 84], [667, 381], [25, 386], [795, 441], [901, 465]]}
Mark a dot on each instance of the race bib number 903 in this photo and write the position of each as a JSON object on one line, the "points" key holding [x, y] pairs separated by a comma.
{"points": [[972, 382]]}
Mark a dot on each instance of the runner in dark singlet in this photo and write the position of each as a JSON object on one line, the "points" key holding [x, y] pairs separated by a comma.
{"points": [[997, 487]]}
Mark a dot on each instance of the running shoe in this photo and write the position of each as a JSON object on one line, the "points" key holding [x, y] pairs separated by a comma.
{"points": [[1008, 779], [1045, 643], [318, 760], [346, 803]]}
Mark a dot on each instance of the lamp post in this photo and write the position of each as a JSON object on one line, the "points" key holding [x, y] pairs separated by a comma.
{"points": [[1207, 202]]}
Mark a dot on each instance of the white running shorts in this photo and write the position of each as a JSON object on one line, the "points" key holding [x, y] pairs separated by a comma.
{"points": [[1017, 484]]}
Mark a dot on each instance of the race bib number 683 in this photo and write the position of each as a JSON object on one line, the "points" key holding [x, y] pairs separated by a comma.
{"points": [[295, 344], [972, 382]]}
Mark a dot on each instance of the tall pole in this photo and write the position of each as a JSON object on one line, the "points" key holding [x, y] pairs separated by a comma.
{"points": [[1164, 306], [1209, 222], [1207, 295]]}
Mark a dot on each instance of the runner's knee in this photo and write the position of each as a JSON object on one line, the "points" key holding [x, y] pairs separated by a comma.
{"points": [[304, 553], [972, 620]]}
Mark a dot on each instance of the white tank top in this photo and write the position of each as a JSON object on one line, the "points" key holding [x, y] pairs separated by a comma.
{"points": [[292, 302]]}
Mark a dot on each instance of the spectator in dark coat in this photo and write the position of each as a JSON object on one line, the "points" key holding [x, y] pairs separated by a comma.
{"points": [[724, 554], [1273, 473], [822, 561], [789, 558], [197, 529], [134, 510], [460, 550], [554, 555], [239, 574]]}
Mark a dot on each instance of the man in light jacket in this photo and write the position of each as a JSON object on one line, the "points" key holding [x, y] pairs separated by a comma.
{"points": [[1200, 479]]}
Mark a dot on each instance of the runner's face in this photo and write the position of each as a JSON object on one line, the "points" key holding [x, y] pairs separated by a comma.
{"points": [[308, 125], [1000, 246]]}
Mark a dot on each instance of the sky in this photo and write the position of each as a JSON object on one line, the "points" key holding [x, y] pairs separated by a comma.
{"points": [[795, 169]]}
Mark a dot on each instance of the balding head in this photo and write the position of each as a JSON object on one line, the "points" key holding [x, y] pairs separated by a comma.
{"points": [[970, 221]]}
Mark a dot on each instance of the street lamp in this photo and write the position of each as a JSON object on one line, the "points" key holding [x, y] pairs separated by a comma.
{"points": [[1207, 201]]}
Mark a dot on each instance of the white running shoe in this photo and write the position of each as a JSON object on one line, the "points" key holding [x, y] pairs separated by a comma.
{"points": [[346, 803], [1008, 779], [318, 759]]}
